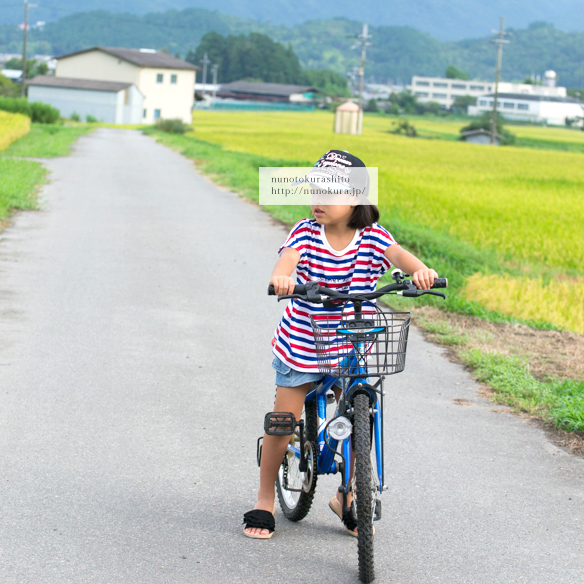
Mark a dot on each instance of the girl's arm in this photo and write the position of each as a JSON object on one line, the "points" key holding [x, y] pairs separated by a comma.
{"points": [[286, 264], [422, 276]]}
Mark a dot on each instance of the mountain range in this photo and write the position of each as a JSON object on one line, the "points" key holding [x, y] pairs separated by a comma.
{"points": [[398, 52], [443, 19]]}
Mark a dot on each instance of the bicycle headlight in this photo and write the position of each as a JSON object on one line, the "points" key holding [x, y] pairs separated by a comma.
{"points": [[340, 428]]}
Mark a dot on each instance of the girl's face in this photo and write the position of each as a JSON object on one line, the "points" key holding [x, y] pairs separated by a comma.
{"points": [[332, 214]]}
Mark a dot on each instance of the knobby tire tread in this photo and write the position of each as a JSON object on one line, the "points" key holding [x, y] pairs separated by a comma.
{"points": [[364, 495], [300, 511]]}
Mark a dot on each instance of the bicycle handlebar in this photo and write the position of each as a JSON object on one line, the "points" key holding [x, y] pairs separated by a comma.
{"points": [[314, 293]]}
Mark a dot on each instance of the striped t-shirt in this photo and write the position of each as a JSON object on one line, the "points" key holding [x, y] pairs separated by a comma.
{"points": [[353, 269]]}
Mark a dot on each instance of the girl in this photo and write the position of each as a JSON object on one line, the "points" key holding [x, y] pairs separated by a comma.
{"points": [[343, 248]]}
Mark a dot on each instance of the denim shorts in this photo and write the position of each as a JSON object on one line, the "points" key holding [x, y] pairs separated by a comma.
{"points": [[288, 377]]}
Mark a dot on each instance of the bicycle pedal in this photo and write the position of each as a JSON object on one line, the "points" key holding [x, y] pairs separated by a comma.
{"points": [[377, 514], [279, 424]]}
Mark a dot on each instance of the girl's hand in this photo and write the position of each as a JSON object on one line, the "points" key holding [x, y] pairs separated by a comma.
{"points": [[283, 285], [424, 278]]}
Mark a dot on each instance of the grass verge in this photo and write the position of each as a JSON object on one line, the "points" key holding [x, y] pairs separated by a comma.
{"points": [[560, 401], [19, 184], [539, 373], [239, 172], [46, 141], [21, 179]]}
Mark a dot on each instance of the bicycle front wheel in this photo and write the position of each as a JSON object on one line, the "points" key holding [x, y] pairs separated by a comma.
{"points": [[295, 488], [363, 486]]}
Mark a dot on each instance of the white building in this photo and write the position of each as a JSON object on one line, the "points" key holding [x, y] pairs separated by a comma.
{"points": [[444, 91], [13, 74], [167, 83], [112, 102], [539, 109], [380, 91]]}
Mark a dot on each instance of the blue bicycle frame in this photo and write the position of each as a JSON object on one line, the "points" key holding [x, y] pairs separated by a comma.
{"points": [[326, 454]]}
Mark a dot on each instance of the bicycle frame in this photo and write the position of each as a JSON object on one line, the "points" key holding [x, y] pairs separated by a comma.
{"points": [[326, 453]]}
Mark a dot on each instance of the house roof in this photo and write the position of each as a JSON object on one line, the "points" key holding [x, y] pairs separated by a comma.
{"points": [[141, 58], [534, 97], [258, 88], [479, 132], [67, 82]]}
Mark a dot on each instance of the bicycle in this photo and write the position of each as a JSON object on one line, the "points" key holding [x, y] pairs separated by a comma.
{"points": [[355, 345]]}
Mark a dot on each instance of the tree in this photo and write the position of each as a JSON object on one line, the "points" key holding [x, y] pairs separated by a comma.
{"points": [[406, 102], [577, 93], [8, 88], [32, 68], [453, 72], [529, 80], [392, 109], [371, 106], [254, 56], [461, 103], [327, 81], [404, 127]]}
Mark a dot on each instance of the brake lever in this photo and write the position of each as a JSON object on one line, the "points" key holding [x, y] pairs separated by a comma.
{"points": [[413, 292], [416, 293], [287, 296], [441, 294]]}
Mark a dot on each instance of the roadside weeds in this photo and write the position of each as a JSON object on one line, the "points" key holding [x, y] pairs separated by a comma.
{"points": [[539, 374]]}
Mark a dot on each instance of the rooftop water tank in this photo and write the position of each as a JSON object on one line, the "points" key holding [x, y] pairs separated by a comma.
{"points": [[549, 78]]}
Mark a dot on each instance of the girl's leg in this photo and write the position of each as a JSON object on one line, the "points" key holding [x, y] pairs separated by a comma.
{"points": [[288, 399]]}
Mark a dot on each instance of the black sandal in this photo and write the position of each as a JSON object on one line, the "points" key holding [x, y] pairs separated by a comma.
{"points": [[347, 518], [259, 519]]}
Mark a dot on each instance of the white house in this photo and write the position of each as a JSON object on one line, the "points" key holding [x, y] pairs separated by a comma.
{"points": [[107, 101], [166, 83], [547, 109]]}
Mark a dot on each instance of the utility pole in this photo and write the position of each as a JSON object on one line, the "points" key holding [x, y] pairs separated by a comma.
{"points": [[23, 78], [214, 72], [205, 60], [362, 41], [499, 41]]}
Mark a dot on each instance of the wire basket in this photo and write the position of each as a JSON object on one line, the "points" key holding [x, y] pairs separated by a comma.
{"points": [[371, 347]]}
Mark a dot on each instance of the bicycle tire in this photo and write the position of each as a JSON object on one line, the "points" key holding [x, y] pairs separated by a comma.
{"points": [[296, 510], [363, 495]]}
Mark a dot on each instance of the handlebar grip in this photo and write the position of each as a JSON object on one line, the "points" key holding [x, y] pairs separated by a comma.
{"points": [[298, 289], [440, 283]]}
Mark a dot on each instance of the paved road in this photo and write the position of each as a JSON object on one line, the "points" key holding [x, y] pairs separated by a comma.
{"points": [[134, 375]]}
